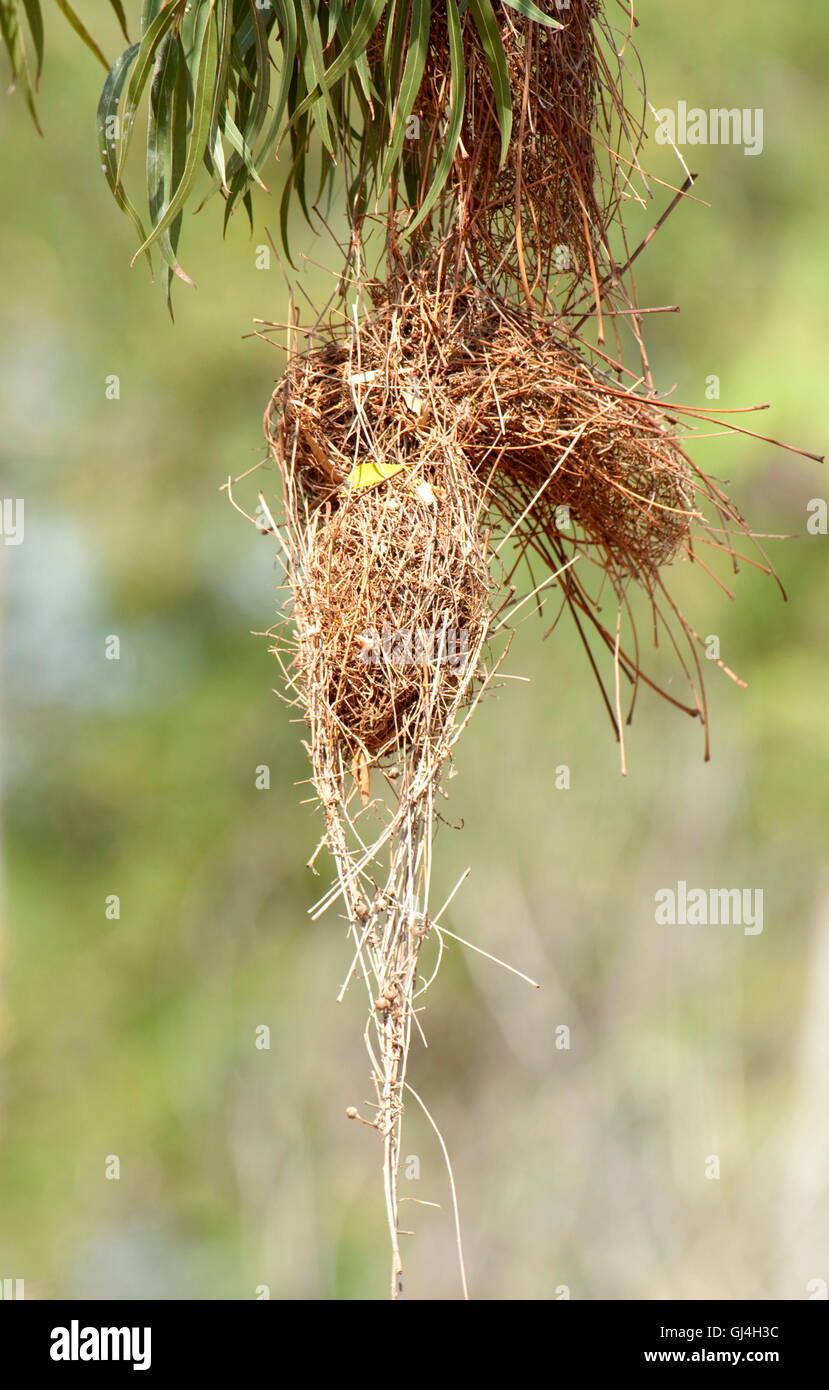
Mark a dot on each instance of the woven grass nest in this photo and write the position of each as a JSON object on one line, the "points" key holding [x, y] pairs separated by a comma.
{"points": [[406, 442], [429, 449], [391, 602], [525, 416]]}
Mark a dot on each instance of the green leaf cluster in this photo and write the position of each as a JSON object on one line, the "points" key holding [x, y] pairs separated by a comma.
{"points": [[232, 84]]}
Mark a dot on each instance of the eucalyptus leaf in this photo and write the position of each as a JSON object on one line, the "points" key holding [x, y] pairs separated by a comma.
{"points": [[81, 31], [531, 11], [34, 15], [11, 29], [206, 54], [147, 51], [166, 150], [486, 24], [453, 130]]}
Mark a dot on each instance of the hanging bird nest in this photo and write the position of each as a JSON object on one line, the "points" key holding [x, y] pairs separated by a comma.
{"points": [[415, 444], [388, 567], [558, 457], [540, 429], [390, 604]]}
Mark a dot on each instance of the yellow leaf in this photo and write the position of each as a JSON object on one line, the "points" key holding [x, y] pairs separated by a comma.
{"points": [[372, 474]]}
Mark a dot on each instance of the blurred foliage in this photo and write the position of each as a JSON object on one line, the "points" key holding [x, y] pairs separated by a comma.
{"points": [[136, 1037]]}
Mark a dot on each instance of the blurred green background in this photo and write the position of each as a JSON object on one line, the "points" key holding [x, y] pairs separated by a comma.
{"points": [[580, 1168]]}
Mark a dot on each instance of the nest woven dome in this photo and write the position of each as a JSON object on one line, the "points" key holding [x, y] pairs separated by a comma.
{"points": [[393, 598], [537, 427]]}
